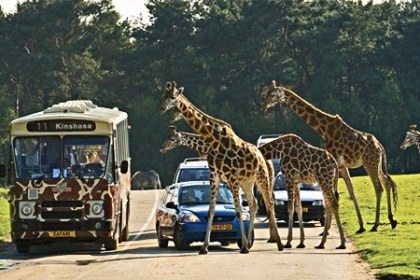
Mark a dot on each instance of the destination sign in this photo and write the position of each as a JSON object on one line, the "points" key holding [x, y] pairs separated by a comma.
{"points": [[61, 125]]}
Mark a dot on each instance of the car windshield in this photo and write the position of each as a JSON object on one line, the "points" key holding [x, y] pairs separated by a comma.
{"points": [[200, 194], [194, 174]]}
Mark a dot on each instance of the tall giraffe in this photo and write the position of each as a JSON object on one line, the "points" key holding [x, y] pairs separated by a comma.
{"points": [[231, 160], [351, 148], [412, 138], [304, 163]]}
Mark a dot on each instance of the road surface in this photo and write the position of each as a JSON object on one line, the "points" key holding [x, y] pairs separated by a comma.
{"points": [[140, 258]]}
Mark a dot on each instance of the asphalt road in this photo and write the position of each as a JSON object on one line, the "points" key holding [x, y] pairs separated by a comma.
{"points": [[141, 258]]}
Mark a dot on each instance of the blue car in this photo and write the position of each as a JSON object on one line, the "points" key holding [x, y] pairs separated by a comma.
{"points": [[181, 216]]}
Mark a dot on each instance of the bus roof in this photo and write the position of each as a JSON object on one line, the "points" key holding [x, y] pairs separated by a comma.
{"points": [[76, 109]]}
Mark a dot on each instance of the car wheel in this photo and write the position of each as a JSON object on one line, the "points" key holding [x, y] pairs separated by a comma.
{"points": [[163, 243], [225, 243], [179, 240], [22, 247], [250, 242]]}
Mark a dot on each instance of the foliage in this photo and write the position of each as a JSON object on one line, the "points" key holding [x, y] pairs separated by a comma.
{"points": [[345, 57], [4, 216], [392, 253]]}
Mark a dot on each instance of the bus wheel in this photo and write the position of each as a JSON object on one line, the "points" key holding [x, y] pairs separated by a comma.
{"points": [[22, 246], [111, 244]]}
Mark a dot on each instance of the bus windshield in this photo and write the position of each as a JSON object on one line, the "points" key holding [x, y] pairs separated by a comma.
{"points": [[55, 157]]}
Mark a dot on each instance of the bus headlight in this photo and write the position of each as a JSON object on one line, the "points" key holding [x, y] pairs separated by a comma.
{"points": [[96, 209], [27, 209]]}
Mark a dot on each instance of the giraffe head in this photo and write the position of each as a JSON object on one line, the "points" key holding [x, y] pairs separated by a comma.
{"points": [[274, 95], [412, 137], [171, 97], [173, 140]]}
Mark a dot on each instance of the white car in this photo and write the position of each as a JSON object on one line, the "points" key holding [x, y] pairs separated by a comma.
{"points": [[311, 197], [192, 169]]}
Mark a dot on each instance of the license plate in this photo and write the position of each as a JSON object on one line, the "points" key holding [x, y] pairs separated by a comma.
{"points": [[221, 227], [305, 209], [62, 233]]}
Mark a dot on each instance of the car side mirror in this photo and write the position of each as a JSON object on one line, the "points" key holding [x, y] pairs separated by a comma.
{"points": [[171, 205]]}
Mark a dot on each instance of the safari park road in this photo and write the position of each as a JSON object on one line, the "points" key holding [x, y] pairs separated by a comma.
{"points": [[141, 258]]}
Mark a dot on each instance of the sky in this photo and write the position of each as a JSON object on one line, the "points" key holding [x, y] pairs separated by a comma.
{"points": [[127, 8]]}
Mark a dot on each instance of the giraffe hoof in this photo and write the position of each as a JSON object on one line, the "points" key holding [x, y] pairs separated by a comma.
{"points": [[361, 230], [342, 246], [288, 246], [394, 224], [300, 246], [320, 247], [374, 229], [244, 251], [203, 252]]}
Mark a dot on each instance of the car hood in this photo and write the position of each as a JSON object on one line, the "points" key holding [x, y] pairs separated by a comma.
{"points": [[202, 209], [304, 195]]}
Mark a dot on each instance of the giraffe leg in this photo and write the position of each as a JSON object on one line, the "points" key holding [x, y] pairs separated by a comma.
{"points": [[340, 229], [390, 186], [298, 209], [290, 210], [374, 176], [344, 172], [328, 218], [244, 243], [267, 194], [253, 208], [214, 188]]}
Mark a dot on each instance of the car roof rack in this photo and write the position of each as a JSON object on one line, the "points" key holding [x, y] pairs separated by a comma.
{"points": [[193, 159]]}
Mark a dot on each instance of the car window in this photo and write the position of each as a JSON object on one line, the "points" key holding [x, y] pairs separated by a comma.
{"points": [[280, 183], [194, 174]]}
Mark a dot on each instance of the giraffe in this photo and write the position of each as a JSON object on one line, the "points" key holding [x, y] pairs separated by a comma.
{"points": [[412, 138], [351, 148], [187, 139], [308, 164], [304, 163], [231, 160]]}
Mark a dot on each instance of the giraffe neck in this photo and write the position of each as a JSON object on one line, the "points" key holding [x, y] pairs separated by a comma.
{"points": [[314, 117], [208, 127], [194, 142]]}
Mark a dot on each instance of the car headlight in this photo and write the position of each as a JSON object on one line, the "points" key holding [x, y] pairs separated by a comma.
{"points": [[245, 216], [279, 202], [27, 209], [317, 203], [190, 218]]}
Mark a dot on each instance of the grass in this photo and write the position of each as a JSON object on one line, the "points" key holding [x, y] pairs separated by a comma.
{"points": [[4, 217], [394, 254]]}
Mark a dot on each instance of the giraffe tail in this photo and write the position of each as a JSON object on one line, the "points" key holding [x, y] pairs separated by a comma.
{"points": [[391, 183]]}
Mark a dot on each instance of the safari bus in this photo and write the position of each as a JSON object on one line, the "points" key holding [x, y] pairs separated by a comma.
{"points": [[69, 176]]}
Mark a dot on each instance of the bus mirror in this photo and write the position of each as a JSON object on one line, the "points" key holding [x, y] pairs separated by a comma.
{"points": [[124, 167], [2, 171]]}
